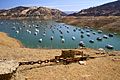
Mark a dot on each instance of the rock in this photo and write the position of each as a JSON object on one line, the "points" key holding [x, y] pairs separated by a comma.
{"points": [[101, 49], [82, 62], [7, 68]]}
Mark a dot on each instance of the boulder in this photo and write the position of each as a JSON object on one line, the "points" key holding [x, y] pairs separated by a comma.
{"points": [[7, 68]]}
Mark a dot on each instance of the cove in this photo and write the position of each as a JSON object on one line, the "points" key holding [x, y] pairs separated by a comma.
{"points": [[53, 35]]}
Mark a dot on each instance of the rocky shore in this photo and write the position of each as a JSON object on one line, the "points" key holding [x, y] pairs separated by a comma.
{"points": [[103, 68]]}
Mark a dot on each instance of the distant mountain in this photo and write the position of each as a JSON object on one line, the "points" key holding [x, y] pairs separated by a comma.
{"points": [[109, 9], [32, 12], [70, 12]]}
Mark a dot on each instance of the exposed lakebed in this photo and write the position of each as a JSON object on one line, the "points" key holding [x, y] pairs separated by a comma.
{"points": [[50, 34]]}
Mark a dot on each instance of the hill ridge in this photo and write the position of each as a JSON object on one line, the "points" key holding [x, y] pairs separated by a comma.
{"points": [[34, 12], [108, 9]]}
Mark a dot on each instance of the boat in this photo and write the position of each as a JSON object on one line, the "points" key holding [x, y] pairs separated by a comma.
{"points": [[82, 44], [111, 35], [105, 36], [108, 46], [73, 38], [99, 38], [40, 40], [99, 31], [91, 41], [88, 34]]}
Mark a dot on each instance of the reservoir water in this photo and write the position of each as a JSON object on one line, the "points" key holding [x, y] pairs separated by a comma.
{"points": [[51, 34]]}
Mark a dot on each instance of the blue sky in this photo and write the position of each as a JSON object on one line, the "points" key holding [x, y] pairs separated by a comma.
{"points": [[64, 5]]}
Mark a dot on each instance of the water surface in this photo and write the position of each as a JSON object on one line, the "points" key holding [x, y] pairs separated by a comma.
{"points": [[30, 31]]}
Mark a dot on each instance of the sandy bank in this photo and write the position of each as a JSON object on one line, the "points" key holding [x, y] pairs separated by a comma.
{"points": [[103, 68], [8, 41], [109, 23]]}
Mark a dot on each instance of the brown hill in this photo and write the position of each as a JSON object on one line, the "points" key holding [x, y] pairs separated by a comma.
{"points": [[32, 12], [109, 9]]}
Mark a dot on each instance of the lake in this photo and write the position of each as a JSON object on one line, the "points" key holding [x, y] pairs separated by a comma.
{"points": [[51, 34]]}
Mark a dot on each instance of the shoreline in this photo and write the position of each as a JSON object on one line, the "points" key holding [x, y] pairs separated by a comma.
{"points": [[107, 23], [20, 45], [93, 70], [10, 42], [18, 41]]}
